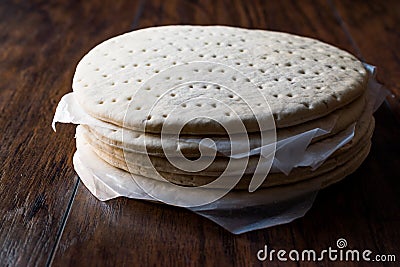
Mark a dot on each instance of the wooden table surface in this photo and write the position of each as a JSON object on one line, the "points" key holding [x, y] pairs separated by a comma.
{"points": [[48, 217]]}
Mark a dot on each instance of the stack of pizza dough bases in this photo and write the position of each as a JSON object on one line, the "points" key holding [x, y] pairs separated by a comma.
{"points": [[159, 78]]}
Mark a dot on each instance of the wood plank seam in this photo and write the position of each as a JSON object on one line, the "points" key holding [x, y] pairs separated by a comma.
{"points": [[138, 14], [134, 24], [345, 29], [63, 223]]}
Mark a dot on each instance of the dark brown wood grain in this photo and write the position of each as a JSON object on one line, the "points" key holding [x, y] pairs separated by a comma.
{"points": [[40, 45]]}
